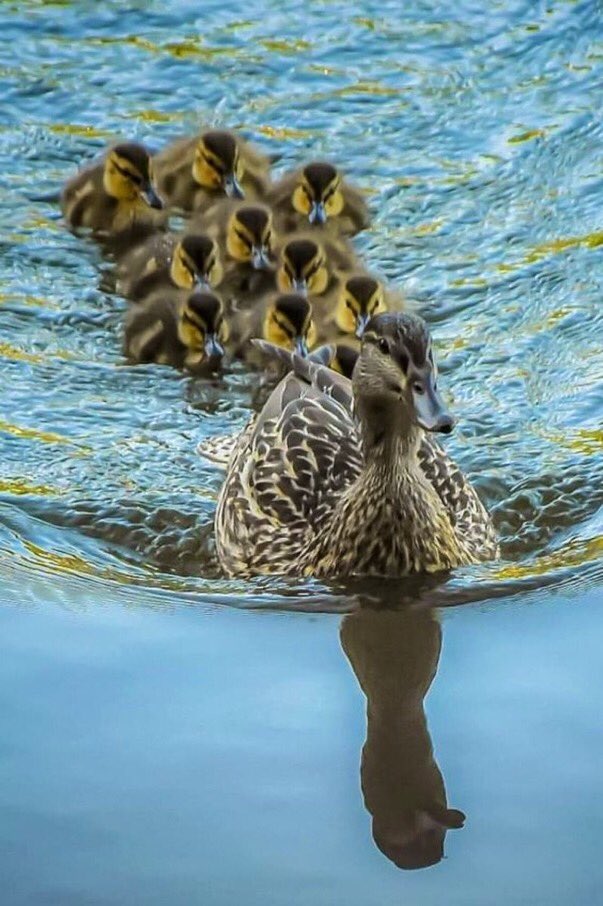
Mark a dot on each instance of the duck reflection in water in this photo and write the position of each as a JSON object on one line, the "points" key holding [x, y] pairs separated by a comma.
{"points": [[395, 655]]}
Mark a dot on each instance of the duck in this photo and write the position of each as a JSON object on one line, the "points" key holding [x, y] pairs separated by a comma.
{"points": [[283, 319], [193, 173], [167, 261], [245, 233], [317, 196], [188, 335], [344, 478], [115, 198]]}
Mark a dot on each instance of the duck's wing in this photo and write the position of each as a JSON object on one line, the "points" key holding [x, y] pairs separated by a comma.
{"points": [[356, 208], [219, 449], [214, 218], [301, 452], [467, 513], [254, 160], [84, 202], [340, 253], [138, 270], [181, 151], [279, 193], [150, 331]]}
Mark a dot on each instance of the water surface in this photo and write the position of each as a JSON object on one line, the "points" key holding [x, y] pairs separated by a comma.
{"points": [[168, 734]]}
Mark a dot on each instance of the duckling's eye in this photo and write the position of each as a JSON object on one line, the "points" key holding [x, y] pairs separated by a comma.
{"points": [[243, 238], [383, 346], [418, 388]]}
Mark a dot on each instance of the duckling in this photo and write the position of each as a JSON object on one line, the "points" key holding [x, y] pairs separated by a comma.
{"points": [[343, 478], [312, 267], [115, 198], [283, 320], [359, 297], [193, 173], [167, 261], [318, 196], [246, 234], [339, 357], [189, 334]]}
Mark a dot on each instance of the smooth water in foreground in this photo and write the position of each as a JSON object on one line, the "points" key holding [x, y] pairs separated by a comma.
{"points": [[168, 736]]}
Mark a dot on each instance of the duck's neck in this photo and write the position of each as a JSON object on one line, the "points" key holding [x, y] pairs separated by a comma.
{"points": [[389, 440]]}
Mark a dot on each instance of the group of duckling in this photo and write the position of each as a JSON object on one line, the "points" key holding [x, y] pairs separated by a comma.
{"points": [[340, 472], [257, 256]]}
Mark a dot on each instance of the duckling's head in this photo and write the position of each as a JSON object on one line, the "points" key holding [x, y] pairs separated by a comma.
{"points": [[288, 323], [303, 268], [202, 328], [217, 165], [317, 195], [196, 262], [344, 360], [395, 379], [361, 298], [127, 175], [249, 235]]}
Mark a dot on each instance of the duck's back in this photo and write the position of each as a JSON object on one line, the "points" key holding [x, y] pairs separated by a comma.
{"points": [[146, 267], [85, 203], [288, 471]]}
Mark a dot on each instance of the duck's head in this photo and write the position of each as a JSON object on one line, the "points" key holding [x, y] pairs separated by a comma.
{"points": [[395, 379], [202, 328], [361, 298], [249, 235], [288, 323], [196, 263], [217, 165], [303, 267], [128, 176], [317, 194]]}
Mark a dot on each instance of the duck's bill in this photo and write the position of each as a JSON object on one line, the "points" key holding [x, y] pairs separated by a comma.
{"points": [[318, 214], [299, 286], [233, 187], [430, 411], [213, 349], [361, 322], [202, 283], [301, 347], [150, 197], [260, 259]]}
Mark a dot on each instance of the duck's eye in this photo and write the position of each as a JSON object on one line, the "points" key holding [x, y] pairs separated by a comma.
{"points": [[418, 388], [383, 346]]}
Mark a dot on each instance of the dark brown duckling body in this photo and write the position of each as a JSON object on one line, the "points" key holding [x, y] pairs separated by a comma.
{"points": [[187, 334], [115, 198]]}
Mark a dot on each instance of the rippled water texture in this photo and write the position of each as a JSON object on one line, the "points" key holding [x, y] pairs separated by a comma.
{"points": [[476, 129]]}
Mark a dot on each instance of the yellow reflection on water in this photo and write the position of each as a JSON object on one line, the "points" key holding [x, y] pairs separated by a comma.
{"points": [[574, 553]]}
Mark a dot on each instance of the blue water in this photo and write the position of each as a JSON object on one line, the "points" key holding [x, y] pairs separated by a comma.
{"points": [[171, 736]]}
